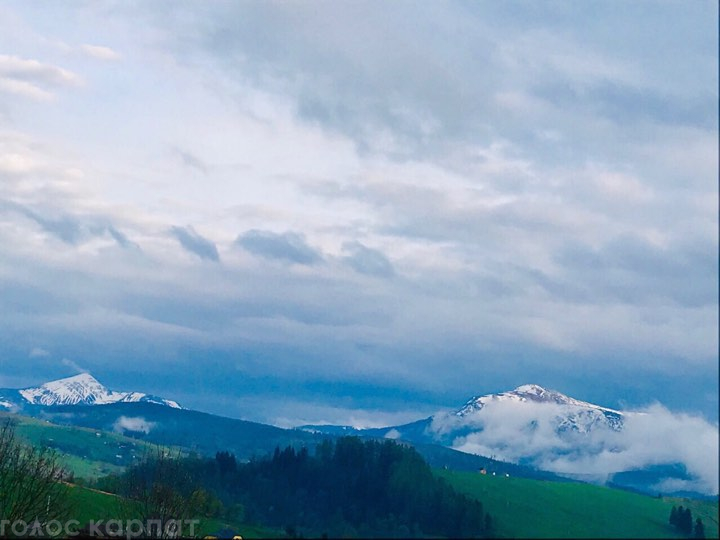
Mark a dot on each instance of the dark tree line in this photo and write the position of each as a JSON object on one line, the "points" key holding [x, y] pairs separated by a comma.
{"points": [[349, 487], [681, 519]]}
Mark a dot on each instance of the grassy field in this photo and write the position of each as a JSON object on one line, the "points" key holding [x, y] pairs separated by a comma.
{"points": [[88, 453], [95, 505], [525, 508]]}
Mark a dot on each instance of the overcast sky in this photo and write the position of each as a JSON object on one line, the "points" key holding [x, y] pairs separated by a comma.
{"points": [[361, 212]]}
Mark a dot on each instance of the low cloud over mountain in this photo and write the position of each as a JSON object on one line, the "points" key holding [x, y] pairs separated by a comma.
{"points": [[528, 432]]}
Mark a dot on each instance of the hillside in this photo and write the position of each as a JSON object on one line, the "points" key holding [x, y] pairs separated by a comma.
{"points": [[525, 508], [207, 434], [87, 453], [96, 505], [195, 431]]}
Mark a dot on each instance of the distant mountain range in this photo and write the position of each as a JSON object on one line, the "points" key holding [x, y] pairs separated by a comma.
{"points": [[83, 401], [568, 415], [82, 389], [534, 427], [509, 432]]}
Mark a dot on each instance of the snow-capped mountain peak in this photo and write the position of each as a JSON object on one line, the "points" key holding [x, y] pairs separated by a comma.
{"points": [[84, 389], [530, 389], [574, 415], [529, 392]]}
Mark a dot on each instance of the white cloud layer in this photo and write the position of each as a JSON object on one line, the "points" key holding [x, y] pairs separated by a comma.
{"points": [[32, 78], [527, 431]]}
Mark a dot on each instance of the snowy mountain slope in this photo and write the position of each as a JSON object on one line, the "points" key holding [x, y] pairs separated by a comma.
{"points": [[82, 389], [573, 414], [567, 415]]}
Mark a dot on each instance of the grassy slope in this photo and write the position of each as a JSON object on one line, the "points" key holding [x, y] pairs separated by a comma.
{"points": [[542, 509], [95, 505], [88, 453]]}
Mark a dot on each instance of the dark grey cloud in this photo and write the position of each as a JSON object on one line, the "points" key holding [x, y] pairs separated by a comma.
{"points": [[625, 103], [191, 160], [70, 229], [195, 243], [121, 239], [65, 228], [633, 270], [434, 75], [367, 260], [287, 246]]}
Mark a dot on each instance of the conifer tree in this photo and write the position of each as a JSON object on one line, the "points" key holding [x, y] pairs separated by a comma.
{"points": [[680, 517], [699, 528], [686, 523], [674, 516]]}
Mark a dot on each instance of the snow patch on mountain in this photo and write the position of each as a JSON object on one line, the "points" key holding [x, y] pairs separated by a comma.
{"points": [[84, 389]]}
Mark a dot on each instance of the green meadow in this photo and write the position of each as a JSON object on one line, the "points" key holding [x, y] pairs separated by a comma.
{"points": [[525, 508]]}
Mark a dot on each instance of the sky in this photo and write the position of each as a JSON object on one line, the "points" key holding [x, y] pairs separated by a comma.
{"points": [[361, 212]]}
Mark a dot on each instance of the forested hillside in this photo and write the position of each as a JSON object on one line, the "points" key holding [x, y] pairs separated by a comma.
{"points": [[349, 487]]}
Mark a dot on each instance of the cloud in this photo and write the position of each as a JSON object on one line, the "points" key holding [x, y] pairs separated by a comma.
{"points": [[38, 352], [481, 156], [70, 229], [134, 423], [25, 89], [287, 246], [195, 243], [100, 52], [367, 260], [121, 239], [73, 365], [368, 75], [191, 160], [308, 413], [66, 228], [32, 78], [528, 432]]}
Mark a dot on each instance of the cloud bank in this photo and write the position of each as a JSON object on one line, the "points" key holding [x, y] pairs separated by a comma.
{"points": [[528, 432]]}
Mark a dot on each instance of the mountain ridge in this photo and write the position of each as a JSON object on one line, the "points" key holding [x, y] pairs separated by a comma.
{"points": [[82, 389], [539, 428], [583, 416], [488, 431]]}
